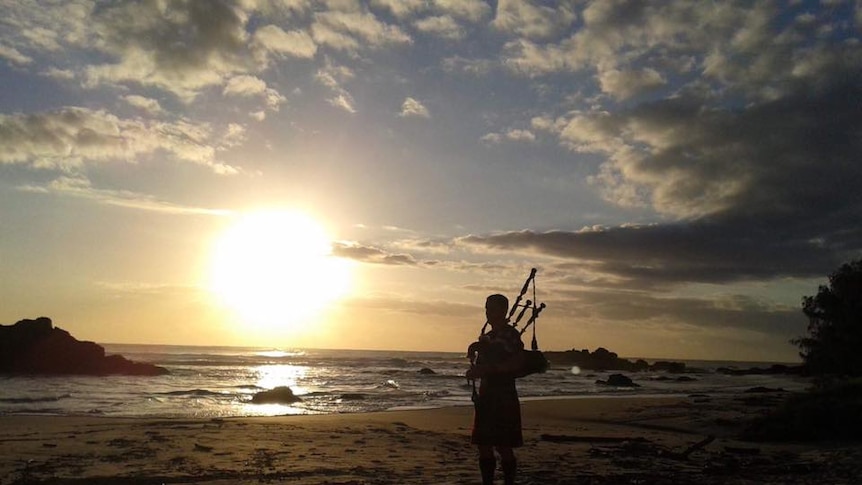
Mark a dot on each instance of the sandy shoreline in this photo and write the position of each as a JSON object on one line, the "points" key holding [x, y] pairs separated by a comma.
{"points": [[567, 441]]}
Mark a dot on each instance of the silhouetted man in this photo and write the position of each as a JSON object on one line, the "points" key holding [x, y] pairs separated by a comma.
{"points": [[497, 420]]}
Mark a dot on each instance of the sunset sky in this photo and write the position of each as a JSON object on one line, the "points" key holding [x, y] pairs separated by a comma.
{"points": [[345, 174]]}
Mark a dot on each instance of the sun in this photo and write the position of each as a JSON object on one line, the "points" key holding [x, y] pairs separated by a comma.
{"points": [[275, 269]]}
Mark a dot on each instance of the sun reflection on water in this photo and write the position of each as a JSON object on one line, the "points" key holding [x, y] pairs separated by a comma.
{"points": [[275, 375], [277, 354]]}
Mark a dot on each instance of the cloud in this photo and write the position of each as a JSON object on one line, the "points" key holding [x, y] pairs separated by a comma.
{"points": [[62, 74], [370, 254], [332, 77], [344, 101], [520, 135], [252, 86], [14, 56], [441, 25], [185, 48], [451, 311], [514, 134], [736, 43], [71, 136], [31, 28], [413, 108], [532, 21], [349, 30], [471, 10], [297, 43], [81, 188], [476, 67], [677, 314], [775, 157], [629, 83], [527, 57], [149, 105], [671, 254], [400, 8], [492, 138]]}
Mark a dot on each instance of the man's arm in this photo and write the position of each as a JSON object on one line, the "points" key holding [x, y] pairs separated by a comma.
{"points": [[513, 363]]}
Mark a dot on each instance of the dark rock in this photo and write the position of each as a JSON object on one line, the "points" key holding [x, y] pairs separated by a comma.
{"points": [[352, 396], [37, 347], [603, 359], [276, 395], [618, 380], [426, 371]]}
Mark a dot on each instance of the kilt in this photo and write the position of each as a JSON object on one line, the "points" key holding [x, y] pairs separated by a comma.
{"points": [[497, 419]]}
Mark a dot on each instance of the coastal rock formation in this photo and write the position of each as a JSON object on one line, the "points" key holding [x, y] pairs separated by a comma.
{"points": [[276, 395], [37, 347], [603, 359], [618, 380]]}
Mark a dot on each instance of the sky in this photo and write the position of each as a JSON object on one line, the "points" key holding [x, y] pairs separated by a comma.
{"points": [[362, 174]]}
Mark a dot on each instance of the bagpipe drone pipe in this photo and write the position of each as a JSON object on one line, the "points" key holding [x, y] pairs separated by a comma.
{"points": [[534, 360]]}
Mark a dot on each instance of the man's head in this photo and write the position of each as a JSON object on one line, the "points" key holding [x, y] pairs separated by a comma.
{"points": [[496, 307]]}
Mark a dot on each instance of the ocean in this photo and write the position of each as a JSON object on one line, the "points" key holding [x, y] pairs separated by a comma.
{"points": [[210, 382]]}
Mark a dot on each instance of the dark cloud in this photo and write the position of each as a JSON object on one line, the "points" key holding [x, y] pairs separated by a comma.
{"points": [[790, 157], [759, 190], [730, 312], [702, 251], [180, 46], [69, 136]]}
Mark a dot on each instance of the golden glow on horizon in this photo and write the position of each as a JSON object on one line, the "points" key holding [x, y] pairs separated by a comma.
{"points": [[275, 269]]}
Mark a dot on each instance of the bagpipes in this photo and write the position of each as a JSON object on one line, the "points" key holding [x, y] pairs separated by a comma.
{"points": [[534, 361]]}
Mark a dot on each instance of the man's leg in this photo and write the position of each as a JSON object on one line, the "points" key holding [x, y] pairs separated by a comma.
{"points": [[508, 463], [487, 464]]}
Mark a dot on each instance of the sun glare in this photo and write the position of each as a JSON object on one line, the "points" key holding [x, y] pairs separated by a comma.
{"points": [[275, 269]]}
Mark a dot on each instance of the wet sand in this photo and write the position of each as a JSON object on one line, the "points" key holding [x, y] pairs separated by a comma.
{"points": [[567, 441]]}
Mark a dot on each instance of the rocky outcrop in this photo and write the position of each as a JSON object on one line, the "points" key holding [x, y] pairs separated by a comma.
{"points": [[276, 395], [603, 359], [37, 347], [618, 380]]}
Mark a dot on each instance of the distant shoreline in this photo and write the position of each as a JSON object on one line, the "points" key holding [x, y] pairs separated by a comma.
{"points": [[453, 353]]}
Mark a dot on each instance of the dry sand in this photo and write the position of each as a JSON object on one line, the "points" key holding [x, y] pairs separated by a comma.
{"points": [[567, 441]]}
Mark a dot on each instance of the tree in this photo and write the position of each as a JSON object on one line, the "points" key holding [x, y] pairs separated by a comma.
{"points": [[834, 341]]}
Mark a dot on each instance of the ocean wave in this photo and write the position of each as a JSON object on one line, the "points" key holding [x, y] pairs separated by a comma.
{"points": [[221, 381], [192, 392], [35, 411], [27, 400]]}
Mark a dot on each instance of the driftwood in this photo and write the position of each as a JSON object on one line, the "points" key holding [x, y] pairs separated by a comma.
{"points": [[700, 444]]}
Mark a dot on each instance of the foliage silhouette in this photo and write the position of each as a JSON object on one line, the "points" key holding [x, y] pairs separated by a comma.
{"points": [[834, 340]]}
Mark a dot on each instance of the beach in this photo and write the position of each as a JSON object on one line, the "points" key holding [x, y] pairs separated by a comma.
{"points": [[636, 440]]}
